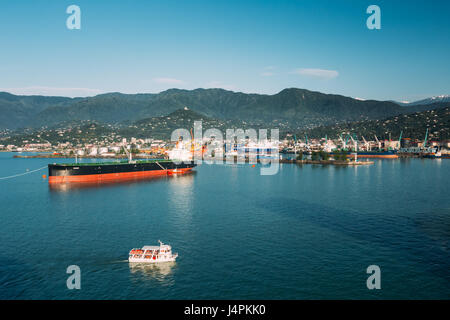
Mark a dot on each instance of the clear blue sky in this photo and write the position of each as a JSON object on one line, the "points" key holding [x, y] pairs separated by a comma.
{"points": [[251, 46]]}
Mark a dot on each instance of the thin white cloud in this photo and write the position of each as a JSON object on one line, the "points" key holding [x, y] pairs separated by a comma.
{"points": [[268, 71], [53, 91], [317, 73], [168, 81]]}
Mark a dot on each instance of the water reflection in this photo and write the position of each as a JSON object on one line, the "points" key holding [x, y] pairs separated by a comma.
{"points": [[153, 271], [64, 187], [181, 197]]}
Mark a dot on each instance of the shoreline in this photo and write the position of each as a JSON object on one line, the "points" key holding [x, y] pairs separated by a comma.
{"points": [[330, 162], [236, 160], [49, 155], [54, 156]]}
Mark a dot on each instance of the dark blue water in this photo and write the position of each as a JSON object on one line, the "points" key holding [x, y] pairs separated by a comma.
{"points": [[308, 232]]}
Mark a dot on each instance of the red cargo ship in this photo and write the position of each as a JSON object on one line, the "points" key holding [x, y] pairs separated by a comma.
{"points": [[110, 171]]}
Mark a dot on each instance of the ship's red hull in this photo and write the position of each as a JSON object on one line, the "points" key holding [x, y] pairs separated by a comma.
{"points": [[115, 176]]}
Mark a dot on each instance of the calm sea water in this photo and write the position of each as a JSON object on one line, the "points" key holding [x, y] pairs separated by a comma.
{"points": [[308, 232]]}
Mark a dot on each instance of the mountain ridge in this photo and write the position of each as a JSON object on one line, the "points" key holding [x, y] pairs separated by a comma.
{"points": [[295, 107], [426, 101]]}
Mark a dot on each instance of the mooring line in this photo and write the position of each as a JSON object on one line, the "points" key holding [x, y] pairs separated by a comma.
{"points": [[22, 174], [160, 165]]}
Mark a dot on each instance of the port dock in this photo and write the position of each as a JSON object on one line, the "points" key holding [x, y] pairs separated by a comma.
{"points": [[329, 162]]}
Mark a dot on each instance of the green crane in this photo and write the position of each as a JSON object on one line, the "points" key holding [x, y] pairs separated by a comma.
{"points": [[346, 139], [426, 138], [343, 142], [295, 145]]}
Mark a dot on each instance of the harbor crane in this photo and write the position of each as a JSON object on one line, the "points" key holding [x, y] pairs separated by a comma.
{"points": [[295, 146], [342, 140], [425, 140], [378, 141], [344, 143], [355, 143], [366, 144]]}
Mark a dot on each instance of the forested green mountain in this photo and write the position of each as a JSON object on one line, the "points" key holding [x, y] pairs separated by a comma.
{"points": [[76, 132], [295, 108], [18, 111]]}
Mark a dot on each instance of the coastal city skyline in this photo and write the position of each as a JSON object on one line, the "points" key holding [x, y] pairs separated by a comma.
{"points": [[251, 47]]}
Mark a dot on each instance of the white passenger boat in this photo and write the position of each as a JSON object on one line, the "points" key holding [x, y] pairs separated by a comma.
{"points": [[152, 254]]}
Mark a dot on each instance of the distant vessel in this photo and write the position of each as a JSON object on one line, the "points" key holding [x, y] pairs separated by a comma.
{"points": [[424, 152], [390, 154], [264, 149], [153, 254], [433, 155]]}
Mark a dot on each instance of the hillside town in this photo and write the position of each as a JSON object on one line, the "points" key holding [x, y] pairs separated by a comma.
{"points": [[108, 148]]}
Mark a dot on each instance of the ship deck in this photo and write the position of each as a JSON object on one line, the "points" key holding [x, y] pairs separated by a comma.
{"points": [[109, 163]]}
